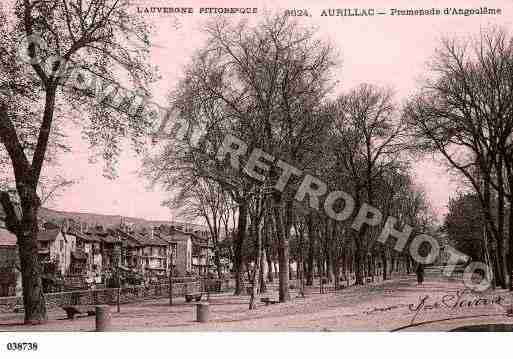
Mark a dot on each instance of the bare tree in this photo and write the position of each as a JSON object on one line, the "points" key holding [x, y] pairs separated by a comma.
{"points": [[50, 189], [204, 199], [263, 84], [369, 138], [76, 40], [464, 112]]}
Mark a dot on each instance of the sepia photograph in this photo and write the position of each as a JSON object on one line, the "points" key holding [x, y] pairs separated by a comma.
{"points": [[254, 166]]}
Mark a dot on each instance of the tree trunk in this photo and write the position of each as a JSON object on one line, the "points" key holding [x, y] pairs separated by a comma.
{"points": [[26, 231], [241, 233], [510, 235], [327, 252], [358, 263], [26, 227], [310, 255], [256, 270], [283, 233], [320, 264], [300, 263], [263, 254], [342, 265], [263, 287], [217, 262], [496, 266], [33, 298], [329, 267], [370, 267], [503, 249], [494, 235], [270, 276], [336, 271], [509, 171], [385, 264], [359, 255], [268, 254]]}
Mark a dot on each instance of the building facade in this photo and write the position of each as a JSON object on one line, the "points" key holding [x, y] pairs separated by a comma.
{"points": [[77, 256]]}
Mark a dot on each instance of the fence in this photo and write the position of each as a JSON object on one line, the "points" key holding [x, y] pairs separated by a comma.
{"points": [[103, 296], [110, 295]]}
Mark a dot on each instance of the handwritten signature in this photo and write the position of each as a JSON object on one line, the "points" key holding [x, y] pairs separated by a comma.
{"points": [[458, 301]]}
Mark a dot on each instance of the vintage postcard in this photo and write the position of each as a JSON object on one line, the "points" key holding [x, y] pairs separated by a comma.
{"points": [[255, 166]]}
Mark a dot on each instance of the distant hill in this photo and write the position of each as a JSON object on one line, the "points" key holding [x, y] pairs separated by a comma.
{"points": [[110, 220]]}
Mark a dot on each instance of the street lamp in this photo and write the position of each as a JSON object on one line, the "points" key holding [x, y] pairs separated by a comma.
{"points": [[171, 264]]}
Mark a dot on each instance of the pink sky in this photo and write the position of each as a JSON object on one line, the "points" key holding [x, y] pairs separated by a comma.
{"points": [[385, 50]]}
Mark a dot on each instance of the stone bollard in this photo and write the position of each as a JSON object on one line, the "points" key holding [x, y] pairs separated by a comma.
{"points": [[103, 318], [202, 312]]}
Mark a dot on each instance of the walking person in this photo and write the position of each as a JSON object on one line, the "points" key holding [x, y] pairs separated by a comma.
{"points": [[420, 273]]}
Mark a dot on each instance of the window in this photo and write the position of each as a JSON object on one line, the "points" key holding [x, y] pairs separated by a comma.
{"points": [[62, 245], [174, 250]]}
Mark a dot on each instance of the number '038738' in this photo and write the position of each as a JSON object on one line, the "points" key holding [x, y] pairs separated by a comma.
{"points": [[22, 347]]}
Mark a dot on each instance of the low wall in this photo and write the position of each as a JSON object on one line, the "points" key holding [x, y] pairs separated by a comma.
{"points": [[103, 296], [110, 295], [8, 304]]}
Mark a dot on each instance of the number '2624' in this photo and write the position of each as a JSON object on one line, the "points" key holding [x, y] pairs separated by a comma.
{"points": [[21, 346]]}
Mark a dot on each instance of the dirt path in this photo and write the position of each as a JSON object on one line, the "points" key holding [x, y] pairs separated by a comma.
{"points": [[378, 307]]}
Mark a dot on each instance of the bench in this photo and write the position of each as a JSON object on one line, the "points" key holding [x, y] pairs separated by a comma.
{"points": [[268, 301], [190, 296], [72, 310]]}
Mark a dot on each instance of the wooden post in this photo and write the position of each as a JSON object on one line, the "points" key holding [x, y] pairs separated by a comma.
{"points": [[103, 318], [208, 277], [170, 290], [202, 312], [119, 295], [171, 279]]}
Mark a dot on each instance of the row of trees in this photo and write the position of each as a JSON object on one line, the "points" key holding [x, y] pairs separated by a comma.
{"points": [[464, 113], [465, 225], [270, 85]]}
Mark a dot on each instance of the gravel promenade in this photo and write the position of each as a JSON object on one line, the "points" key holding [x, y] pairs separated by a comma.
{"points": [[440, 304]]}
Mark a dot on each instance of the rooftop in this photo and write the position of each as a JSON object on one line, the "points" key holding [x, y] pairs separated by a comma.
{"points": [[84, 236], [143, 239], [7, 239], [48, 235]]}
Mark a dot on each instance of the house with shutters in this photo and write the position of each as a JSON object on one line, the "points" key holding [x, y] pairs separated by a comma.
{"points": [[201, 252], [86, 260], [111, 249], [55, 250], [146, 253], [180, 243], [155, 256]]}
